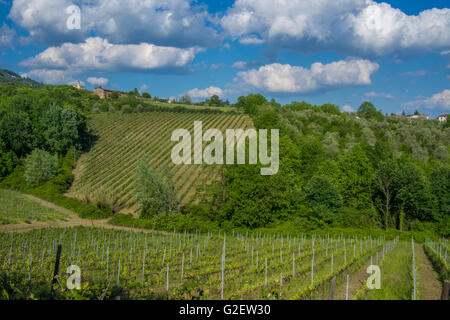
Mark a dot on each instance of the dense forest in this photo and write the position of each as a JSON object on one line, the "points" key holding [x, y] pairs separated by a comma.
{"points": [[361, 169], [340, 169]]}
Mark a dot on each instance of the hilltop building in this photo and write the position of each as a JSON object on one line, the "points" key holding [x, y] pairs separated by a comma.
{"points": [[105, 93], [443, 117], [79, 86], [412, 116]]}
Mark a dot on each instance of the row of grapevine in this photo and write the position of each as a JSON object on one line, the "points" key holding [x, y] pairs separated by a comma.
{"points": [[106, 172], [191, 265]]}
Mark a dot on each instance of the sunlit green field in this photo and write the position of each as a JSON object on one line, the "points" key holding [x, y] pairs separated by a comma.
{"points": [[16, 207]]}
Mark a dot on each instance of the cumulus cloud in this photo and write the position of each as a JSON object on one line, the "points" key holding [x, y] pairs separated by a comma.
{"points": [[440, 101], [180, 23], [373, 94], [279, 78], [197, 94], [357, 27], [51, 76], [251, 40], [6, 37], [98, 81], [347, 108], [96, 54]]}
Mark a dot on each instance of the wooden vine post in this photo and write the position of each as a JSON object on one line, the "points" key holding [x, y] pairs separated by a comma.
{"points": [[445, 290], [55, 274]]}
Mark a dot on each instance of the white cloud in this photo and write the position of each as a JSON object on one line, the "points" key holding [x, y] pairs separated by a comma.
{"points": [[357, 27], [6, 37], [98, 81], [216, 66], [440, 101], [143, 88], [347, 108], [418, 73], [50, 76], [180, 23], [285, 78], [96, 54], [373, 94], [205, 93], [251, 40], [246, 64]]}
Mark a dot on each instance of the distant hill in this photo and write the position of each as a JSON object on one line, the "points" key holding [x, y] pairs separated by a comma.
{"points": [[11, 78]]}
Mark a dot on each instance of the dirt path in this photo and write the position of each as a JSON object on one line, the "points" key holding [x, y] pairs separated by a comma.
{"points": [[428, 278], [74, 221]]}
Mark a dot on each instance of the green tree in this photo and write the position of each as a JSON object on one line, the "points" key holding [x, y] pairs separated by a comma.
{"points": [[156, 193], [356, 178], [8, 160], [413, 192], [146, 95], [253, 200], [368, 111], [40, 166], [268, 119], [62, 129], [250, 103], [439, 181], [321, 194], [214, 101], [384, 183], [17, 132]]}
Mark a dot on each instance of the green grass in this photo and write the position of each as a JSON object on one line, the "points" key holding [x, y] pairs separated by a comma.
{"points": [[15, 207], [396, 275]]}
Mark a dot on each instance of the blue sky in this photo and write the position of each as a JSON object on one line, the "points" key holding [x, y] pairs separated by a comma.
{"points": [[395, 53]]}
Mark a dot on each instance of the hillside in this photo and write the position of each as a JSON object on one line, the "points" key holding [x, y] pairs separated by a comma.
{"points": [[106, 173], [8, 77]]}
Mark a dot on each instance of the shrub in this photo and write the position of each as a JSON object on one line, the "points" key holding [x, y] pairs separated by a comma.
{"points": [[156, 192], [40, 166]]}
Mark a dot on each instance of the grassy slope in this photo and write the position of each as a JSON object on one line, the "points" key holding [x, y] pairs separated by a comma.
{"points": [[15, 207], [106, 172]]}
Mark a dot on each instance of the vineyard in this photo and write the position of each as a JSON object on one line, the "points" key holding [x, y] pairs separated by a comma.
{"points": [[138, 265], [106, 173], [15, 207]]}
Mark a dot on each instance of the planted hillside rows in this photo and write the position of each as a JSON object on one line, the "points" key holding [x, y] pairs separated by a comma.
{"points": [[255, 266], [106, 173], [15, 207]]}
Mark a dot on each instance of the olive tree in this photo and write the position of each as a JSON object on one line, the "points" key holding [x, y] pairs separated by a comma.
{"points": [[40, 166]]}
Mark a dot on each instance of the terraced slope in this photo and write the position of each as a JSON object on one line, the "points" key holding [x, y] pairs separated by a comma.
{"points": [[106, 173]]}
